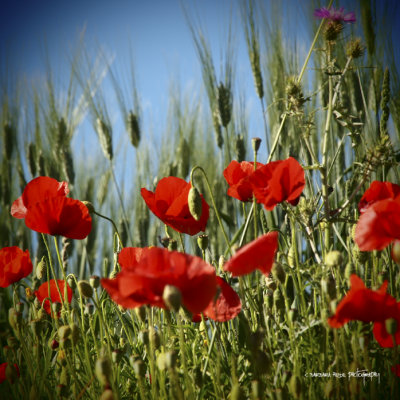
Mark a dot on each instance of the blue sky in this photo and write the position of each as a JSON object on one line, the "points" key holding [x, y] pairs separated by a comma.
{"points": [[155, 30]]}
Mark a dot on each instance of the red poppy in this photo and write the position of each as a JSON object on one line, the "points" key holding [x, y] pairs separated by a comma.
{"points": [[379, 225], [378, 191], [364, 305], [278, 181], [258, 254], [226, 306], [15, 264], [43, 292], [45, 209], [169, 202], [381, 334], [3, 368], [143, 278], [396, 369], [237, 176]]}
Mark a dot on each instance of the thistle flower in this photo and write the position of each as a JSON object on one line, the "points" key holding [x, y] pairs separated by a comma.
{"points": [[335, 15]]}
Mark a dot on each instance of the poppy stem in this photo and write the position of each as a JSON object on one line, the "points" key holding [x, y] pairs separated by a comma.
{"points": [[52, 271], [113, 223], [213, 202]]}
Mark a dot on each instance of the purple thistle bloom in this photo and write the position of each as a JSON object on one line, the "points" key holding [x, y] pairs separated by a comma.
{"points": [[335, 15]]}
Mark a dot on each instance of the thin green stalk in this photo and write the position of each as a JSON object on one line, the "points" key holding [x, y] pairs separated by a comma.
{"points": [[213, 202], [113, 223]]}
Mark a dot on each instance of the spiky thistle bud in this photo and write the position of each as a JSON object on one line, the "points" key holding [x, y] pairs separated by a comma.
{"points": [[332, 30], [355, 48], [195, 203], [133, 129], [104, 132]]}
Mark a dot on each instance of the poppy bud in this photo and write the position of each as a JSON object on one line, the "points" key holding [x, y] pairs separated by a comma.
{"points": [[270, 283], [279, 273], [116, 356], [64, 332], [71, 281], [53, 344], [396, 252], [172, 297], [144, 337], [141, 313], [94, 281], [89, 309], [36, 327], [154, 338], [170, 359], [89, 206], [202, 241], [140, 368], [279, 301], [349, 270], [85, 289], [328, 287], [29, 294], [291, 257], [56, 307], [221, 262], [103, 370], [172, 245], [257, 390], [195, 203], [41, 268], [14, 318], [391, 326], [334, 259], [164, 241], [256, 142]]}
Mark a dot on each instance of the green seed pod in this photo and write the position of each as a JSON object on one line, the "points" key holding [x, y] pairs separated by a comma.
{"points": [[64, 332], [202, 241], [41, 269], [154, 338], [144, 337], [278, 272], [141, 313], [94, 281], [255, 143], [172, 297], [133, 129], [334, 259], [104, 132], [170, 359], [75, 333], [103, 370], [116, 356], [195, 203], [349, 270], [224, 102], [328, 287], [71, 281], [140, 368], [279, 301], [391, 326], [172, 245], [89, 206], [85, 289]]}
